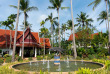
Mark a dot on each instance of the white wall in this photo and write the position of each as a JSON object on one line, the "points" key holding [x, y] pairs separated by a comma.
{"points": [[10, 51]]}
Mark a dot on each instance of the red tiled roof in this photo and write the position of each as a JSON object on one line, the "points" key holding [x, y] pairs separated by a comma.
{"points": [[71, 36], [47, 42], [19, 34]]}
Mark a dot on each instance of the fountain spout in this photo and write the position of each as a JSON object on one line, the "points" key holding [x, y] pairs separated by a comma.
{"points": [[43, 61], [48, 65], [30, 63], [68, 62]]}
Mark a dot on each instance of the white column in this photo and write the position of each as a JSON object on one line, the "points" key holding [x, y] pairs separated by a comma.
{"points": [[79, 44], [49, 52], [20, 52], [35, 52]]}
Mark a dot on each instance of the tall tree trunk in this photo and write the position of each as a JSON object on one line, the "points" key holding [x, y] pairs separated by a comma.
{"points": [[14, 46], [52, 34], [23, 35], [44, 45], [10, 38], [59, 29], [75, 53], [6, 37], [108, 26]]}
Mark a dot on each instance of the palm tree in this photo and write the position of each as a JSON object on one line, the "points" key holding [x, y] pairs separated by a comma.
{"points": [[9, 24], [69, 25], [44, 31], [83, 20], [103, 17], [27, 24], [96, 3], [56, 4], [24, 6], [53, 23], [12, 18], [56, 36], [74, 49], [14, 46], [64, 28]]}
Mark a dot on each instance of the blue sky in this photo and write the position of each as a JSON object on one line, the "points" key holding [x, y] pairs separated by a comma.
{"points": [[35, 17]]}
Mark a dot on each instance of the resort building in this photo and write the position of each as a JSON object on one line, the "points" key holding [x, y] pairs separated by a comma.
{"points": [[79, 35], [76, 36], [32, 42]]}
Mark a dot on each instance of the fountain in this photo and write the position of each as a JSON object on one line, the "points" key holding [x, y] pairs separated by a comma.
{"points": [[48, 65], [68, 62], [37, 63], [43, 61], [75, 63], [63, 66], [82, 61], [67, 59], [59, 67], [30, 63]]}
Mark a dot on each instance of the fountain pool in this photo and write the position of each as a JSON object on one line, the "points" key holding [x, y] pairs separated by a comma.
{"points": [[50, 67]]}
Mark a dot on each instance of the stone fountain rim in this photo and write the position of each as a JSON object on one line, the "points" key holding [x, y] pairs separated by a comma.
{"points": [[103, 66]]}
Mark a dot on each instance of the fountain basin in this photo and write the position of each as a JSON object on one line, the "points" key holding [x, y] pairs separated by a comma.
{"points": [[64, 66]]}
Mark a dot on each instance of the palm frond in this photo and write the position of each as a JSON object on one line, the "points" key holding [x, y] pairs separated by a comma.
{"points": [[91, 3], [49, 7], [42, 23], [55, 18], [95, 3], [31, 8], [64, 8], [46, 19], [56, 23], [13, 6], [101, 22], [61, 1]]}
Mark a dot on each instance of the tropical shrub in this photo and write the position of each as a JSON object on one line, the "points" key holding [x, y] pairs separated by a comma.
{"points": [[5, 70], [90, 51], [90, 57], [20, 59], [30, 58], [1, 61], [102, 52], [86, 58], [6, 55], [84, 71], [95, 56], [78, 58], [50, 56], [39, 58], [8, 59], [81, 51]]}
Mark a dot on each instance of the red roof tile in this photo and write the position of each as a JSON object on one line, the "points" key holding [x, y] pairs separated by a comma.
{"points": [[47, 42]]}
